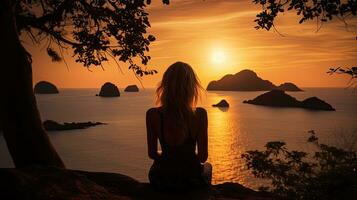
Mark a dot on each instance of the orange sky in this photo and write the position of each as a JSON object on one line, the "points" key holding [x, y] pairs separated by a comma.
{"points": [[218, 37]]}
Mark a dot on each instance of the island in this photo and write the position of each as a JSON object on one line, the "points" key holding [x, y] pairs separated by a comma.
{"points": [[109, 90], [131, 88], [223, 104], [278, 98], [44, 87], [315, 103], [51, 125], [291, 87], [247, 80]]}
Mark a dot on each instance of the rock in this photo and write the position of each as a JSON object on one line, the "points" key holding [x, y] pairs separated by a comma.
{"points": [[109, 90], [289, 87], [51, 125], [131, 88], [222, 103], [315, 103], [278, 98], [40, 183], [44, 87], [245, 80]]}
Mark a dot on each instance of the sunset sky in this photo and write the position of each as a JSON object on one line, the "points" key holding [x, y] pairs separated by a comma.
{"points": [[218, 37]]}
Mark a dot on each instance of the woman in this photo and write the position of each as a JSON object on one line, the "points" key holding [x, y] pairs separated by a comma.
{"points": [[181, 128]]}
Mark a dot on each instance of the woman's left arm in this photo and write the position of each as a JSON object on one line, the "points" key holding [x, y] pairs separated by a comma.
{"points": [[202, 137], [152, 133]]}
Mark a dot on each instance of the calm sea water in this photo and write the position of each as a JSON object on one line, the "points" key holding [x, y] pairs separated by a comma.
{"points": [[120, 146]]}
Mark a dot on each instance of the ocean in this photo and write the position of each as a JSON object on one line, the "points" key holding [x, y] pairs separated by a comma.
{"points": [[120, 146]]}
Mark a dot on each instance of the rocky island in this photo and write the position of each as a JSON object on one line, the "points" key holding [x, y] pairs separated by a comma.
{"points": [[51, 125], [223, 104], [278, 98], [44, 87], [247, 80], [315, 103], [109, 90], [39, 183], [131, 88], [289, 87]]}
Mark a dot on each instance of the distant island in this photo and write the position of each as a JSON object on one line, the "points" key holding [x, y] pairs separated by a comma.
{"points": [[278, 98], [131, 88], [291, 87], [248, 80], [45, 87], [109, 90], [51, 125], [223, 104]]}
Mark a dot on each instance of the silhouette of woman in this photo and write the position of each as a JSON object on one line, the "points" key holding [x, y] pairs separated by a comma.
{"points": [[180, 127]]}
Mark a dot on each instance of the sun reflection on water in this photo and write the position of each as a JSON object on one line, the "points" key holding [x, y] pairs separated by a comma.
{"points": [[224, 148]]}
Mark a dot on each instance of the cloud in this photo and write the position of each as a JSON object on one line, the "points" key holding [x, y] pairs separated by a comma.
{"points": [[203, 20]]}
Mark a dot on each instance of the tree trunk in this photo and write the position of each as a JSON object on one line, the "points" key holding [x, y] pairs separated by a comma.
{"points": [[25, 137]]}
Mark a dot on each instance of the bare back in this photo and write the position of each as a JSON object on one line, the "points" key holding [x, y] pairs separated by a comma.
{"points": [[174, 135]]}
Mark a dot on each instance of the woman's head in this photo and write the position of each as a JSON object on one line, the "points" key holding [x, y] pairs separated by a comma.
{"points": [[179, 89]]}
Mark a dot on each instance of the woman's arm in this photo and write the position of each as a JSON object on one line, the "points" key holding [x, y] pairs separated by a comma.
{"points": [[152, 132], [202, 137]]}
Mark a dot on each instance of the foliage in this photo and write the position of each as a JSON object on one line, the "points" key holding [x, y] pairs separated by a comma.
{"points": [[321, 10], [330, 173], [96, 30], [351, 71]]}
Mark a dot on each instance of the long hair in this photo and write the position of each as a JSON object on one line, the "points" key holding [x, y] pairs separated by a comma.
{"points": [[179, 91]]}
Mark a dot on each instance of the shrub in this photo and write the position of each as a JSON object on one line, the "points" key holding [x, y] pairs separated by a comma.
{"points": [[328, 173]]}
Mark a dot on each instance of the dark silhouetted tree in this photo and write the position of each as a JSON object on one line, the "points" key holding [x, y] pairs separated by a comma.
{"points": [[320, 10], [96, 30]]}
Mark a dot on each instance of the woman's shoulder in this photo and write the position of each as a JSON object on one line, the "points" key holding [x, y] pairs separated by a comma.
{"points": [[200, 111], [153, 111]]}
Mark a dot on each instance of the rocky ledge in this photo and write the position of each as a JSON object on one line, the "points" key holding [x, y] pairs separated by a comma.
{"points": [[51, 125], [54, 183]]}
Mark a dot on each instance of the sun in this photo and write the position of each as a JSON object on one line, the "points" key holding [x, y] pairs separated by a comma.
{"points": [[218, 56]]}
